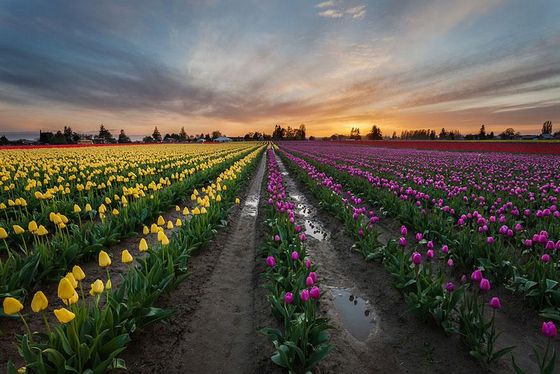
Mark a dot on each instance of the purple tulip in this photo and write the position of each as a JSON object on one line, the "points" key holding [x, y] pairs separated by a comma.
{"points": [[549, 245], [416, 258], [419, 236], [402, 241], [276, 238], [404, 230], [309, 282], [490, 240], [450, 287], [313, 276], [495, 303], [307, 263], [430, 245], [295, 256], [545, 258], [304, 296], [484, 285], [430, 254], [314, 292], [549, 329], [288, 298], [450, 262], [271, 261], [445, 249], [302, 237], [476, 275], [298, 228]]}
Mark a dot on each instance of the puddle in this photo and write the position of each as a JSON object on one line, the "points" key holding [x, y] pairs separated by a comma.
{"points": [[303, 210], [251, 206], [296, 197], [315, 230], [355, 313]]}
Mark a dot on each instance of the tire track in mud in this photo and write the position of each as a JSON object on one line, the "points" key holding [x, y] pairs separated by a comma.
{"points": [[214, 329], [397, 341]]}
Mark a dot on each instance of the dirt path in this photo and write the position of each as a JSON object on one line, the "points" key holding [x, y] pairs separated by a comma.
{"points": [[214, 330], [372, 331]]}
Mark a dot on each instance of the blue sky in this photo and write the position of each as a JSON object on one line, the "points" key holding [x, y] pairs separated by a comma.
{"points": [[246, 65]]}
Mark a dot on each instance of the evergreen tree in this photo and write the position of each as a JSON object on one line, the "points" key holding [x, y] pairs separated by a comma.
{"points": [[156, 135], [123, 138]]}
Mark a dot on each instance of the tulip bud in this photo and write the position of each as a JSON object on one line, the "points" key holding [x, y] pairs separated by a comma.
{"points": [[295, 256], [97, 287], [288, 298], [271, 261], [450, 287], [484, 285], [104, 259], [63, 315], [65, 290], [476, 275], [309, 282], [39, 302], [78, 273], [126, 257], [307, 263], [314, 293], [416, 258], [549, 329], [304, 296], [495, 303], [11, 306]]}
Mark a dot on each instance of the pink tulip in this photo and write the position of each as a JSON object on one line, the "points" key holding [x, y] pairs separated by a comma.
{"points": [[495, 303], [402, 241], [304, 296], [271, 261], [450, 262], [430, 254], [419, 236], [430, 245], [309, 282], [484, 285], [416, 258], [302, 237], [476, 275], [450, 287], [307, 263], [445, 249], [276, 238], [549, 329], [313, 276], [490, 240], [545, 258], [314, 292], [295, 256], [404, 230], [288, 298]]}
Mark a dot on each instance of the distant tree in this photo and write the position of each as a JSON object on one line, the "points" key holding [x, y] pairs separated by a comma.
{"points": [[4, 140], [482, 133], [279, 133], [355, 133], [432, 135], [491, 135], [216, 134], [300, 133], [508, 133], [375, 133], [123, 138], [45, 137], [443, 134], [147, 139], [547, 128], [106, 135], [394, 135], [71, 136], [207, 137], [183, 134], [312, 138], [156, 135], [59, 138]]}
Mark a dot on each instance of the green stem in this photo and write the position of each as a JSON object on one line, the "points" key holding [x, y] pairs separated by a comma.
{"points": [[26, 328]]}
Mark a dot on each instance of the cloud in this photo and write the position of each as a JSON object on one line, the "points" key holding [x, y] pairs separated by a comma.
{"points": [[357, 12], [325, 4], [331, 13]]}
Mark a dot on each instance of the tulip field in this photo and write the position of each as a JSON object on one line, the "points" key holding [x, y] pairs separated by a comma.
{"points": [[453, 256]]}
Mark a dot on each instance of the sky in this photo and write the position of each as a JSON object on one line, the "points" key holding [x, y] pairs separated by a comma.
{"points": [[240, 66]]}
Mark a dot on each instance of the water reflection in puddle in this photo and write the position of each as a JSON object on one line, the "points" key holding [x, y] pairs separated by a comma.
{"points": [[315, 230], [250, 208], [303, 210], [355, 313]]}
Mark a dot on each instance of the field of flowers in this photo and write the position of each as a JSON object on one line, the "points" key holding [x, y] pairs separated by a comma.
{"points": [[94, 238]]}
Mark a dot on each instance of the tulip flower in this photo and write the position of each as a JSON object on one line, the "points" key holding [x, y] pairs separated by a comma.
{"points": [[309, 282], [78, 273], [73, 300], [304, 296], [313, 276], [108, 284], [404, 230], [237, 201], [276, 238], [419, 236], [545, 258], [169, 225], [126, 257], [416, 258], [145, 230], [476, 275], [18, 229], [307, 263], [495, 303], [271, 261], [143, 245], [445, 249], [302, 237], [450, 262], [484, 285], [490, 240], [160, 221], [65, 289], [449, 287], [3, 233], [154, 229], [402, 241], [549, 329], [97, 287], [430, 254], [178, 222], [39, 302], [164, 240], [63, 315], [77, 208], [72, 280], [314, 292], [288, 298], [104, 259], [295, 256], [11, 306]]}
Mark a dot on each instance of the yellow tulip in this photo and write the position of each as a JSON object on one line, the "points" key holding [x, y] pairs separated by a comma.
{"points": [[164, 240], [143, 246], [160, 235], [11, 306], [78, 273], [196, 211], [178, 223], [39, 302], [104, 259], [154, 228], [219, 198], [77, 208], [186, 211], [145, 230], [97, 287], [32, 226], [107, 201], [195, 192], [203, 210], [18, 229], [65, 289], [3, 233], [177, 208], [88, 208], [73, 300], [72, 280], [160, 221], [237, 201], [42, 231], [193, 197], [126, 257], [63, 315], [115, 212], [169, 225], [108, 284]]}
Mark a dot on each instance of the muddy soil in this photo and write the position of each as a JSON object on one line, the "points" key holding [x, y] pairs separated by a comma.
{"points": [[218, 308], [372, 331]]}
